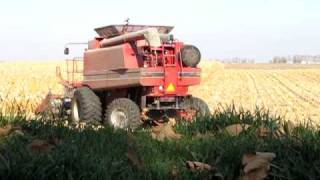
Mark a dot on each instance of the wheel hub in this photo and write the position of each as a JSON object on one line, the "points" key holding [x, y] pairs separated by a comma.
{"points": [[119, 118], [75, 111]]}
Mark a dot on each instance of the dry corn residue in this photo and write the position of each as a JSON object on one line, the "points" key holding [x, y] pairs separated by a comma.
{"points": [[291, 91]]}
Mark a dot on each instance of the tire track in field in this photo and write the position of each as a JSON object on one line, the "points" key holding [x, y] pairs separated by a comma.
{"points": [[313, 102], [247, 90], [308, 94], [250, 93], [270, 90], [311, 76], [294, 80], [263, 88], [259, 96], [289, 99], [279, 92]]}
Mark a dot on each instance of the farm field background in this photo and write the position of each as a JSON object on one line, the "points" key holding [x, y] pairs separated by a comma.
{"points": [[291, 91], [49, 150]]}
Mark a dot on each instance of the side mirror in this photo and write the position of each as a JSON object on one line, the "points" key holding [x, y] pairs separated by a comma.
{"points": [[66, 51]]}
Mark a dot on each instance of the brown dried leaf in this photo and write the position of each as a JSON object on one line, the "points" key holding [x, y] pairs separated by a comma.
{"points": [[39, 146], [134, 158], [236, 129], [256, 166], [267, 155], [195, 165], [4, 131], [258, 174], [164, 131], [172, 122]]}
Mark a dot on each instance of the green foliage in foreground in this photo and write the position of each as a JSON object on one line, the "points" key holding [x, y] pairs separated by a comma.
{"points": [[90, 154]]}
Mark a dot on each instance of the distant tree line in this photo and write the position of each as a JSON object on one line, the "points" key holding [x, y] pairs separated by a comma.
{"points": [[237, 61], [297, 59]]}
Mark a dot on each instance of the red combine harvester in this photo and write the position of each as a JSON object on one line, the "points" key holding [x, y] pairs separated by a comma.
{"points": [[130, 71]]}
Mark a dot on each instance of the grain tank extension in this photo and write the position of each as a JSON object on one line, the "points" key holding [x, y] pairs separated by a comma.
{"points": [[133, 70]]}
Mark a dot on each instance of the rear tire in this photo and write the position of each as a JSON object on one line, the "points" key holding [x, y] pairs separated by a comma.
{"points": [[197, 104], [123, 113], [85, 107]]}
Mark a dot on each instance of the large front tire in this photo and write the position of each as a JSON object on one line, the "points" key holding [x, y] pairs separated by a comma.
{"points": [[196, 104], [123, 113], [85, 107]]}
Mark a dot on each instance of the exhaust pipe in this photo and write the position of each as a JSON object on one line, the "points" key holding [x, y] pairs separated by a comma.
{"points": [[151, 35]]}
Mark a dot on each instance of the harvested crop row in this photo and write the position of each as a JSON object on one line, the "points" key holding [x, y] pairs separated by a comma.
{"points": [[293, 93]]}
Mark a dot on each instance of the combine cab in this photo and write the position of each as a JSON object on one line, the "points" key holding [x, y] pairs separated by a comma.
{"points": [[130, 71]]}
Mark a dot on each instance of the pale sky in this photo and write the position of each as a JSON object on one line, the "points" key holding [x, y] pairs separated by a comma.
{"points": [[259, 29]]}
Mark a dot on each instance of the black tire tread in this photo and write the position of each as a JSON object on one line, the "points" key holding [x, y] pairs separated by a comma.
{"points": [[90, 109], [129, 107], [198, 104]]}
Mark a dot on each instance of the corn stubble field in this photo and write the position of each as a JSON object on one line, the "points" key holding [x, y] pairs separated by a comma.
{"points": [[291, 91], [273, 109]]}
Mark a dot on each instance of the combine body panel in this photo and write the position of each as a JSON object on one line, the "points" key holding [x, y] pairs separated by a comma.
{"points": [[143, 65], [120, 66], [116, 66]]}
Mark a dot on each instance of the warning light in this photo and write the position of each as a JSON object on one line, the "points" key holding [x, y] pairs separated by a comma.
{"points": [[170, 88]]}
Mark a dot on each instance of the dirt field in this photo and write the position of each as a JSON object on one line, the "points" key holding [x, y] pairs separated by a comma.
{"points": [[292, 91]]}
